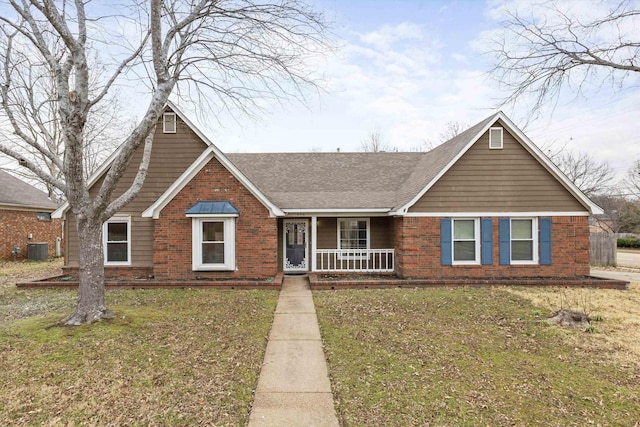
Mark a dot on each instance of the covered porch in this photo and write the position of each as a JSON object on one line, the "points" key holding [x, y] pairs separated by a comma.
{"points": [[337, 244]]}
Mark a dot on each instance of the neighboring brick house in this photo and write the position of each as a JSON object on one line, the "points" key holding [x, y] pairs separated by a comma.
{"points": [[485, 204], [25, 217]]}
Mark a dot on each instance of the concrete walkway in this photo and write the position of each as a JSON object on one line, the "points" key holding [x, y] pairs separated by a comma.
{"points": [[293, 388], [629, 276]]}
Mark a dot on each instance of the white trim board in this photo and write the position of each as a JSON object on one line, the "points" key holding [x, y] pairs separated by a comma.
{"points": [[494, 214]]}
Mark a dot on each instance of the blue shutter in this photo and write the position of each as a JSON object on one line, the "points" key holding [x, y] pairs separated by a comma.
{"points": [[445, 241], [487, 241], [545, 241], [505, 241]]}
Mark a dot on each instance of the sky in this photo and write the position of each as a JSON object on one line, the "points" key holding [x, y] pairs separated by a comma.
{"points": [[404, 68]]}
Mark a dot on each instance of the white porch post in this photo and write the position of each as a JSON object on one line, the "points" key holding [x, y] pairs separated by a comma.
{"points": [[314, 225]]}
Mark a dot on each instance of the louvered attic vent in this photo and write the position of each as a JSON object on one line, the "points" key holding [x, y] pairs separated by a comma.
{"points": [[169, 123], [495, 138]]}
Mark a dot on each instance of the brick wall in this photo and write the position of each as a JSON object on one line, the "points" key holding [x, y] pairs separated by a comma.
{"points": [[16, 225], [255, 233], [116, 272], [419, 254]]}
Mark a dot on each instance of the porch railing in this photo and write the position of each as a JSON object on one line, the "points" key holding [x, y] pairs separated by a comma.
{"points": [[356, 260]]}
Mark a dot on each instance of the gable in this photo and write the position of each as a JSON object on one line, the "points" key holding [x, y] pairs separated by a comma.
{"points": [[171, 155], [504, 180]]}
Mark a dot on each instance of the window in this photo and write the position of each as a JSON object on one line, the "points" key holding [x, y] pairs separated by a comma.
{"points": [[44, 216], [116, 239], [353, 235], [465, 241], [169, 122], [495, 138], [523, 241], [213, 244]]}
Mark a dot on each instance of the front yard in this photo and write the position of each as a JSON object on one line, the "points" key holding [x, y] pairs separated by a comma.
{"points": [[484, 356], [172, 357], [396, 357]]}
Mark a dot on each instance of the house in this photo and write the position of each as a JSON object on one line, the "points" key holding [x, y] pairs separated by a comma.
{"points": [[25, 217], [485, 204]]}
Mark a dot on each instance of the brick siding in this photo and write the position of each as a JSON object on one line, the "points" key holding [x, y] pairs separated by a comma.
{"points": [[418, 254], [16, 225], [255, 233]]}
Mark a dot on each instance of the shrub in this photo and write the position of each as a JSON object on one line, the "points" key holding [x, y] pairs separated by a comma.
{"points": [[629, 242]]}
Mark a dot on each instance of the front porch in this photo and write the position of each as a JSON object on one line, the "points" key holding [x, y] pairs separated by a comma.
{"points": [[348, 244], [355, 260]]}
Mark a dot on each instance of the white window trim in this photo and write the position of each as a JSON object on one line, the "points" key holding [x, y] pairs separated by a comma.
{"points": [[476, 236], [491, 147], [229, 243], [117, 219], [166, 119], [338, 245], [534, 235]]}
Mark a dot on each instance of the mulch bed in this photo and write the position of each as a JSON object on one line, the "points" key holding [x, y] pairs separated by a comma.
{"points": [[65, 281], [351, 281]]}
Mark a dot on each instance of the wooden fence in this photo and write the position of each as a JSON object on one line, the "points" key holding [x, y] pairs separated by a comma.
{"points": [[603, 249]]}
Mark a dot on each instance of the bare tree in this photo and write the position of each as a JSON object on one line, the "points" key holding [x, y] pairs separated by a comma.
{"points": [[614, 207], [452, 129], [374, 143], [588, 174], [632, 180], [235, 53], [550, 46], [40, 103]]}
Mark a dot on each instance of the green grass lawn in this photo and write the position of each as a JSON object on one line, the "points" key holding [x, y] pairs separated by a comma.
{"points": [[171, 357], [465, 357]]}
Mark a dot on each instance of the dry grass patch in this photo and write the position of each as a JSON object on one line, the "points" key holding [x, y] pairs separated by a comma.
{"points": [[465, 357], [15, 271], [171, 357], [616, 313]]}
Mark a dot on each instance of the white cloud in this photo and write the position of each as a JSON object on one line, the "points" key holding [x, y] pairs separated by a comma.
{"points": [[388, 35], [393, 78], [459, 57]]}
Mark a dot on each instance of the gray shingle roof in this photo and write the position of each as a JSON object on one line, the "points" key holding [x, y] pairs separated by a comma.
{"points": [[349, 180], [15, 192], [328, 180]]}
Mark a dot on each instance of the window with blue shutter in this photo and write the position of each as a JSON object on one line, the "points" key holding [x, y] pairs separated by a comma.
{"points": [[504, 226], [487, 241], [545, 241], [445, 241]]}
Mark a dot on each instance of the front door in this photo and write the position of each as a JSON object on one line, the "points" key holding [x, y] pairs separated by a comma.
{"points": [[295, 245]]}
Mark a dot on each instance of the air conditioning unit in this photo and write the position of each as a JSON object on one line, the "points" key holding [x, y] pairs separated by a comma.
{"points": [[38, 251]]}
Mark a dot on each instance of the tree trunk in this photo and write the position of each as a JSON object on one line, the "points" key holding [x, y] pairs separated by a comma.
{"points": [[91, 305]]}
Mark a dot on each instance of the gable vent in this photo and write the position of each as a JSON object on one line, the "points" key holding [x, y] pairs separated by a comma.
{"points": [[495, 138], [169, 123]]}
